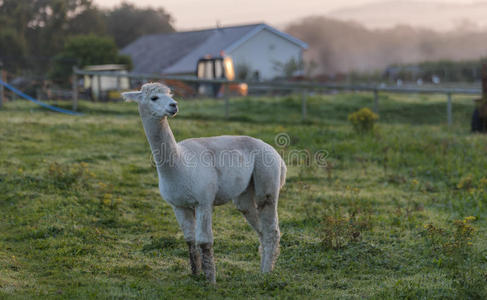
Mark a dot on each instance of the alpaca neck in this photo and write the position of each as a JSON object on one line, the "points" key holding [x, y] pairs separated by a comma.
{"points": [[161, 139]]}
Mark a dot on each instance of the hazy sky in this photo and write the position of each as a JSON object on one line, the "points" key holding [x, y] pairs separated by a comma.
{"points": [[189, 14]]}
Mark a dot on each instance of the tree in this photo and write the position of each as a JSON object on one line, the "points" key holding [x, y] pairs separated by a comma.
{"points": [[127, 22], [12, 50], [90, 21], [49, 27], [33, 32], [40, 27], [290, 68], [13, 23], [84, 50]]}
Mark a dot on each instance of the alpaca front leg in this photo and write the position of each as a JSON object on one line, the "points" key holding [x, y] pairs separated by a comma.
{"points": [[208, 263], [186, 220], [204, 238], [194, 258]]}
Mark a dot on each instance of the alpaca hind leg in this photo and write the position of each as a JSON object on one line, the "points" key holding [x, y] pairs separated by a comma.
{"points": [[204, 238], [245, 203], [267, 210], [186, 220], [268, 178]]}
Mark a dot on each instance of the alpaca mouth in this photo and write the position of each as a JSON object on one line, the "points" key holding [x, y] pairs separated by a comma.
{"points": [[172, 113]]}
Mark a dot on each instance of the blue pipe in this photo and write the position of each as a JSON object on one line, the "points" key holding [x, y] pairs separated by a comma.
{"points": [[54, 108]]}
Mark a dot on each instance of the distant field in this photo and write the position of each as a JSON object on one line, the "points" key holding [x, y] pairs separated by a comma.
{"points": [[400, 213]]}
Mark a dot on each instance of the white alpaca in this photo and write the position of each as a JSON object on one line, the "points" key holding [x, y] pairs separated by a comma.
{"points": [[196, 174]]}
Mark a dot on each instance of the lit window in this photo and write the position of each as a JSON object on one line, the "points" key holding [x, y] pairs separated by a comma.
{"points": [[218, 68], [229, 71]]}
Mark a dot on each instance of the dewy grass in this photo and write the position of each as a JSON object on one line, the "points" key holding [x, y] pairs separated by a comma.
{"points": [[385, 216]]}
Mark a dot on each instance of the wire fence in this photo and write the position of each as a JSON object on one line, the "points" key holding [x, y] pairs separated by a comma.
{"points": [[188, 86], [302, 88]]}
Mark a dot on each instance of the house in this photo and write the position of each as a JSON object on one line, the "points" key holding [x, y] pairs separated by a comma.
{"points": [[255, 49]]}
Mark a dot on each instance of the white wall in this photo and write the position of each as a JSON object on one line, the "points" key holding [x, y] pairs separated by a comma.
{"points": [[262, 50], [107, 83]]}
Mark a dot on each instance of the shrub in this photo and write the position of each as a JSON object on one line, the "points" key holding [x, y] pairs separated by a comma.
{"points": [[338, 231], [363, 120], [63, 176], [453, 248], [451, 242], [84, 50], [465, 182]]}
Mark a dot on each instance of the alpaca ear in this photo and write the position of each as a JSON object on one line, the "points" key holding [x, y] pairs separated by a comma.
{"points": [[132, 96]]}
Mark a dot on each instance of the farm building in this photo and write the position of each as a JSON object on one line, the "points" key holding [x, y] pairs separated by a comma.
{"points": [[100, 85], [255, 49]]}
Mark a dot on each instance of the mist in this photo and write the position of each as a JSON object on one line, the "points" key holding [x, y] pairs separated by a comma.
{"points": [[342, 47]]}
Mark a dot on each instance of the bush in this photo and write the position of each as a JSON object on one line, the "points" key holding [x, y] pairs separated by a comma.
{"points": [[69, 176], [84, 50], [338, 231], [451, 243], [363, 120], [453, 248], [64, 176]]}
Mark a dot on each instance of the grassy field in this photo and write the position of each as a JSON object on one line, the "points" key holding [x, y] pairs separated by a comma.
{"points": [[399, 213]]}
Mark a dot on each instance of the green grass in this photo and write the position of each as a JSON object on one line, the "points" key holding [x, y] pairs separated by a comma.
{"points": [[81, 216]]}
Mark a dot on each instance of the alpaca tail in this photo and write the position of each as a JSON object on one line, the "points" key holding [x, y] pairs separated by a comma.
{"points": [[283, 173]]}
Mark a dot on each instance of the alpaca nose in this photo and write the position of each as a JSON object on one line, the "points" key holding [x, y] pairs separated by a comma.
{"points": [[173, 105]]}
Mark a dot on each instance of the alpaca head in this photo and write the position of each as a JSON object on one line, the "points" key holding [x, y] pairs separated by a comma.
{"points": [[154, 100]]}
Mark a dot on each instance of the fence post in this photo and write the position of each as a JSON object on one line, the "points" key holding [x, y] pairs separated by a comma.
{"points": [[98, 81], [303, 105], [376, 101], [449, 110], [75, 91], [226, 97]]}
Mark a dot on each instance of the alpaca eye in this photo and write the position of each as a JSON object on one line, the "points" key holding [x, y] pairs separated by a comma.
{"points": [[154, 98]]}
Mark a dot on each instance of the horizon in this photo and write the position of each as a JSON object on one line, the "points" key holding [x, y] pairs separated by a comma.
{"points": [[276, 13]]}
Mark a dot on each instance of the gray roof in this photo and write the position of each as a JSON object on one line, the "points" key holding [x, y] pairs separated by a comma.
{"points": [[179, 52]]}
